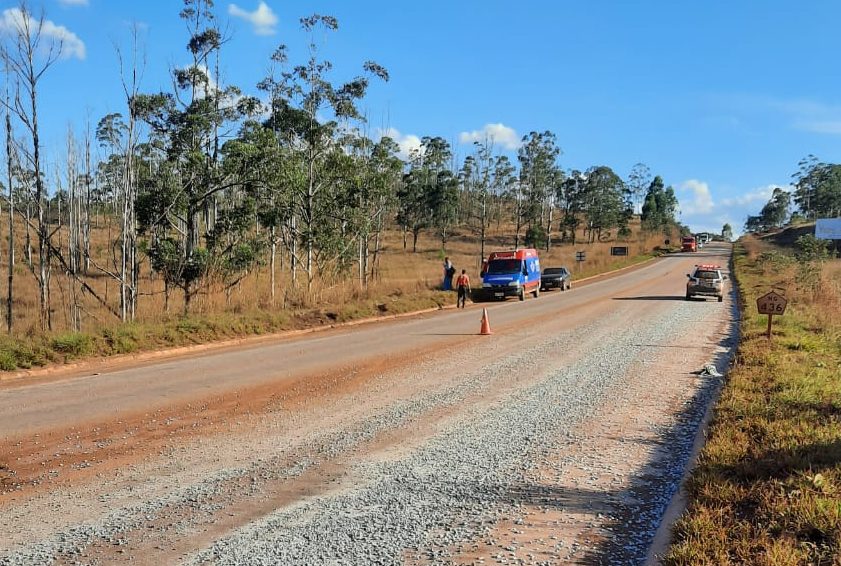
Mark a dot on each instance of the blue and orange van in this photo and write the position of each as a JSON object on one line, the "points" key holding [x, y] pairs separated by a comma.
{"points": [[510, 274]]}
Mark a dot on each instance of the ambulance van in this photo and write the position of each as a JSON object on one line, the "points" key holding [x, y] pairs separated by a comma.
{"points": [[510, 274]]}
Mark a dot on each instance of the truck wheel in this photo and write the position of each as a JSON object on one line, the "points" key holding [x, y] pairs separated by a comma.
{"points": [[563, 286], [688, 296], [720, 298], [522, 294], [536, 293]]}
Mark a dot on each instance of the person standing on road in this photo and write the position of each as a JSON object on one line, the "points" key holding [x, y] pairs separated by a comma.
{"points": [[449, 272], [463, 286]]}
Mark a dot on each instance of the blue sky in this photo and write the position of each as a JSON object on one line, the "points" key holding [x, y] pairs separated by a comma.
{"points": [[719, 98]]}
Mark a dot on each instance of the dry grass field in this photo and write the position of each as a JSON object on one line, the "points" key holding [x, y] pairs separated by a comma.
{"points": [[405, 282]]}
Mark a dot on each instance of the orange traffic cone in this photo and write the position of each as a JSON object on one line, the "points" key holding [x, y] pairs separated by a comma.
{"points": [[486, 324]]}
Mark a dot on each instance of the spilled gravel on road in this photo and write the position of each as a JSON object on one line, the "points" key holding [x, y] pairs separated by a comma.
{"points": [[430, 503], [450, 492]]}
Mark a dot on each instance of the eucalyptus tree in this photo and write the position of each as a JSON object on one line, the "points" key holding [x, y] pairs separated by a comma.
{"points": [[659, 207], [11, 158], [186, 124], [377, 178], [806, 182], [604, 205], [428, 196], [486, 178], [412, 211], [440, 186], [817, 188], [571, 195], [638, 181], [256, 156], [539, 178], [476, 178], [311, 108], [776, 210]]}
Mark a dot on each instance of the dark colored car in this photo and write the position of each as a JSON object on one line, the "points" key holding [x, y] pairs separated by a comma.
{"points": [[556, 278]]}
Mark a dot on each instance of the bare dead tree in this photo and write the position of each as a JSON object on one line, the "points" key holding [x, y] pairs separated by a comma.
{"points": [[86, 207], [130, 265], [28, 54], [74, 245], [10, 148]]}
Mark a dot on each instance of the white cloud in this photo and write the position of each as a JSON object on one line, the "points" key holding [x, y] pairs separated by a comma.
{"points": [[496, 133], [73, 2], [819, 126], [758, 196], [810, 115], [263, 18], [701, 200], [13, 20], [407, 142], [702, 211]]}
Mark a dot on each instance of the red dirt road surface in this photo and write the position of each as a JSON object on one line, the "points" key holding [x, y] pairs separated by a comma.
{"points": [[559, 439]]}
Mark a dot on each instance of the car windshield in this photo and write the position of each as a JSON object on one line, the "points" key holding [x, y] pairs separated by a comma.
{"points": [[554, 271], [706, 275], [500, 266]]}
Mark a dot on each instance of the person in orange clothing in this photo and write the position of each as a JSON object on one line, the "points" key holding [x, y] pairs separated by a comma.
{"points": [[463, 286]]}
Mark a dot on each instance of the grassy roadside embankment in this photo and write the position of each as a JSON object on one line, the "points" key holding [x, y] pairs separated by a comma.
{"points": [[767, 486]]}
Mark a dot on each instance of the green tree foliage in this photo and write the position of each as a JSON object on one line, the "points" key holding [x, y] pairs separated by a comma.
{"points": [[572, 198], [484, 178], [775, 212], [540, 178], [309, 112], [638, 181], [810, 248], [603, 201], [185, 125], [817, 188], [429, 196], [659, 207]]}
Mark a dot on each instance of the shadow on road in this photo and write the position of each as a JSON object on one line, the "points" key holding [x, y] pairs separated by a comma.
{"points": [[652, 298], [447, 334]]}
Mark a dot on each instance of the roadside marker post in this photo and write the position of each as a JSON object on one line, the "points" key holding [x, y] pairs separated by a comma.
{"points": [[579, 258], [771, 303]]}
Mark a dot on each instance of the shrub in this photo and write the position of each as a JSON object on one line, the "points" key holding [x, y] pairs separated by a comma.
{"points": [[7, 360], [72, 344], [810, 248]]}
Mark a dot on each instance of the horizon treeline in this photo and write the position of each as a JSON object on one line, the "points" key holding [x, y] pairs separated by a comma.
{"points": [[205, 183], [816, 193]]}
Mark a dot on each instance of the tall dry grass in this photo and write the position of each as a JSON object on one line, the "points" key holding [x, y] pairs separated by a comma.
{"points": [[404, 281]]}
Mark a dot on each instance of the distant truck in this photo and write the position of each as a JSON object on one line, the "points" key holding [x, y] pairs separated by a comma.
{"points": [[688, 244], [510, 274]]}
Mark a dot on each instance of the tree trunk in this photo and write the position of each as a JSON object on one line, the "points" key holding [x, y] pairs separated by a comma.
{"points": [[9, 149], [273, 262], [549, 229]]}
